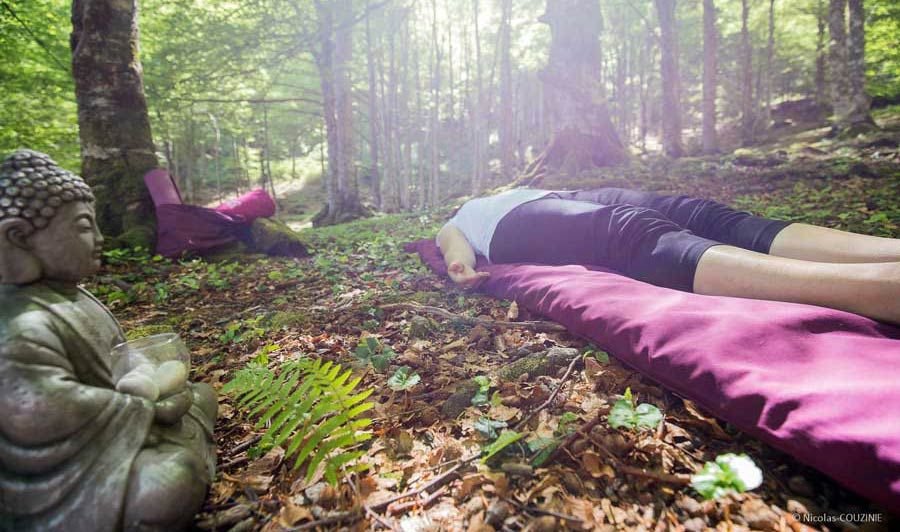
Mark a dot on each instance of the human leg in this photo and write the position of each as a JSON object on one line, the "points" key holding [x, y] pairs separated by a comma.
{"points": [[870, 289], [719, 222], [705, 218], [821, 244], [635, 241]]}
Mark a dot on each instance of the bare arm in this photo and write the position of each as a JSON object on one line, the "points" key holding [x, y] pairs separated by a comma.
{"points": [[459, 257]]}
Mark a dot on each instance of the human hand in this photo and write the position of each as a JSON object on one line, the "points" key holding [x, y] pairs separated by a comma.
{"points": [[171, 409], [465, 276]]}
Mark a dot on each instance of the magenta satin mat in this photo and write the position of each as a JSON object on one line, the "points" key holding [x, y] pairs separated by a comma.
{"points": [[821, 385]]}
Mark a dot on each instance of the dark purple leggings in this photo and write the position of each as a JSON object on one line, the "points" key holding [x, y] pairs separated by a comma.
{"points": [[653, 238]]}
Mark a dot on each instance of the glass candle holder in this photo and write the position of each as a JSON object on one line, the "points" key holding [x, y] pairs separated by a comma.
{"points": [[152, 367]]}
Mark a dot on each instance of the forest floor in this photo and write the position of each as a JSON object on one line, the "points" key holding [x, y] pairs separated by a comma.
{"points": [[263, 312]]}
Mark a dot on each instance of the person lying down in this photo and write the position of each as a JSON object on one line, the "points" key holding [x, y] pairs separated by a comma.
{"points": [[677, 242]]}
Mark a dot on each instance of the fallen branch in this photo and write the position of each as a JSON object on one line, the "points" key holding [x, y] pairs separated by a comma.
{"points": [[681, 480], [403, 507], [537, 326], [536, 510], [350, 515], [244, 446], [585, 432], [545, 404]]}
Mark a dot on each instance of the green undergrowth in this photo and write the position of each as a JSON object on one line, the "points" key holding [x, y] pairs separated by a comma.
{"points": [[867, 206]]}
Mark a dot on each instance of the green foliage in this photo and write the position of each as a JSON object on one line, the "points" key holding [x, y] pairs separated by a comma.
{"points": [[38, 96], [481, 394], [312, 409], [488, 427], [882, 52], [243, 331], [371, 351], [598, 355], [403, 379], [624, 414], [506, 438], [730, 473]]}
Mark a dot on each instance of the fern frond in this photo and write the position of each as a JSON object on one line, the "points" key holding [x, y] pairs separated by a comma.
{"points": [[311, 407]]}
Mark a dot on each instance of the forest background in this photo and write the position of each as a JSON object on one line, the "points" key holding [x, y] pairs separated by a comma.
{"points": [[446, 96]]}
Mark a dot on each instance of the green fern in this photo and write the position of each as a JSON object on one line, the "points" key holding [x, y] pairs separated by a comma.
{"points": [[310, 408]]}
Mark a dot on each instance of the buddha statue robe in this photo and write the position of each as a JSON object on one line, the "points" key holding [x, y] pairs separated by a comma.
{"points": [[68, 439]]}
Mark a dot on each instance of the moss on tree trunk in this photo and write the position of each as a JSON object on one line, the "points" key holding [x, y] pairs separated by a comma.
{"points": [[116, 143]]}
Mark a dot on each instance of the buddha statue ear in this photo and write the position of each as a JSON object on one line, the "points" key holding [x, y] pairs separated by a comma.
{"points": [[18, 264]]}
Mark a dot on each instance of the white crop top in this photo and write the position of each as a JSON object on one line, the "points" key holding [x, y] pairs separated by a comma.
{"points": [[478, 218]]}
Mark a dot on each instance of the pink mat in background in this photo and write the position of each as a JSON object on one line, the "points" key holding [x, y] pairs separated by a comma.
{"points": [[821, 385]]}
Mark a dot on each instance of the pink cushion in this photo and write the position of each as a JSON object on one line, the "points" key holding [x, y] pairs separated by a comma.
{"points": [[820, 384], [252, 205]]}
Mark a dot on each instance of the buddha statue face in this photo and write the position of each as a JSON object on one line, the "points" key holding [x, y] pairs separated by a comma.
{"points": [[47, 225]]}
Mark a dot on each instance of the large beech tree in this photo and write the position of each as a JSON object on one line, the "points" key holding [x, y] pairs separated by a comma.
{"points": [[116, 144], [584, 136], [333, 62], [671, 85]]}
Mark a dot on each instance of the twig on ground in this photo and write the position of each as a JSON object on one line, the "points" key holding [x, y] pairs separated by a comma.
{"points": [[535, 509], [350, 515], [585, 431], [545, 404], [568, 441], [681, 480], [537, 326], [244, 446], [236, 462], [403, 507]]}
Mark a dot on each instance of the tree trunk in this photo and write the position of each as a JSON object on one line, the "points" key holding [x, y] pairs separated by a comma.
{"points": [[373, 114], [671, 90], [116, 143], [507, 128], [584, 136], [859, 116], [770, 54], [746, 71], [821, 61], [333, 61], [478, 118], [710, 40], [837, 60], [217, 150], [434, 115]]}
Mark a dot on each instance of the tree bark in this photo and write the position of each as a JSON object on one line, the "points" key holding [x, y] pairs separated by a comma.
{"points": [[671, 90], [116, 143], [478, 118], [710, 45], [333, 61], [770, 55], [748, 117], [821, 60], [856, 67], [584, 136], [507, 127], [373, 114], [434, 115], [837, 60]]}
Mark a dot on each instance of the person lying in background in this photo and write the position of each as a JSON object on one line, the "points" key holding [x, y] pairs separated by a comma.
{"points": [[677, 242]]}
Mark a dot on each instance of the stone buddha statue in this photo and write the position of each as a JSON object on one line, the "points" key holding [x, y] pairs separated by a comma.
{"points": [[75, 454]]}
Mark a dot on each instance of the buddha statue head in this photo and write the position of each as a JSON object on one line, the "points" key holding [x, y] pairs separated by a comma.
{"points": [[47, 226]]}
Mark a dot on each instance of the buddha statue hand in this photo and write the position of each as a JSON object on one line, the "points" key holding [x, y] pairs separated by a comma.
{"points": [[171, 409]]}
